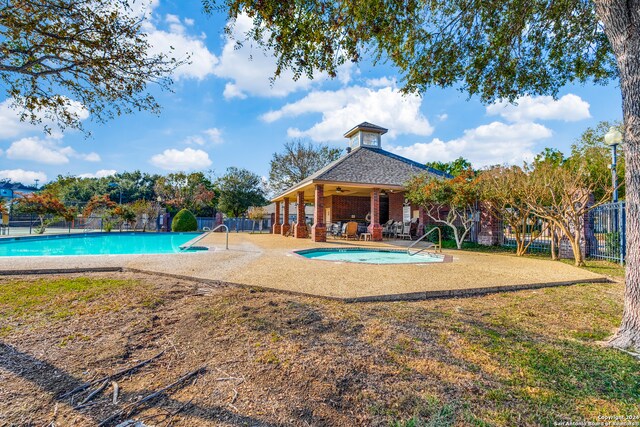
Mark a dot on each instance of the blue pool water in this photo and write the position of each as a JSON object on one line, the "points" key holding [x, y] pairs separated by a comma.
{"points": [[370, 256], [96, 244]]}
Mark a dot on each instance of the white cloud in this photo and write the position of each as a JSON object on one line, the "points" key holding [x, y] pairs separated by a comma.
{"points": [[569, 108], [11, 126], [250, 68], [175, 41], [442, 117], [47, 151], [214, 135], [178, 44], [491, 144], [102, 173], [23, 176], [187, 159], [343, 108], [381, 82]]}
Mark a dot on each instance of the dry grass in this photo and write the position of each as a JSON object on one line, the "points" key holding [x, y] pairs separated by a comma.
{"points": [[525, 358]]}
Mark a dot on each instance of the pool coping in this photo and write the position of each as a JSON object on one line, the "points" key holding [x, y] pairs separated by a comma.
{"points": [[410, 296], [298, 253]]}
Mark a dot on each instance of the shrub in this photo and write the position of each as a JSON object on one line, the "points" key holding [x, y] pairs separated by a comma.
{"points": [[184, 221], [612, 243]]}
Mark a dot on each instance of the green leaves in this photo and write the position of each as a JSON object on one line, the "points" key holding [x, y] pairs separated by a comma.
{"points": [[61, 60], [495, 49], [239, 190], [298, 160]]}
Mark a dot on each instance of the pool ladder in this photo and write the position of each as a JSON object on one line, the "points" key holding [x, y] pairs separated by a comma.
{"points": [[197, 239], [437, 247]]}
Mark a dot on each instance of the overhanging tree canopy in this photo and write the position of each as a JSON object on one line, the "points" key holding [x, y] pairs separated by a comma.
{"points": [[62, 59]]}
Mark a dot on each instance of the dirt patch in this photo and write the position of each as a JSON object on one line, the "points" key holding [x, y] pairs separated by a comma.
{"points": [[270, 359]]}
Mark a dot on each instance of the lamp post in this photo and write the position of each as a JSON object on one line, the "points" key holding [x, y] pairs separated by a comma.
{"points": [[613, 138], [116, 184]]}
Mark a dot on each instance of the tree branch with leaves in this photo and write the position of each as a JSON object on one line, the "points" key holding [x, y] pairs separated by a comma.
{"points": [[61, 60], [451, 202]]}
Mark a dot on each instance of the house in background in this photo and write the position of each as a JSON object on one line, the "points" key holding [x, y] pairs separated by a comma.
{"points": [[9, 191], [366, 185]]}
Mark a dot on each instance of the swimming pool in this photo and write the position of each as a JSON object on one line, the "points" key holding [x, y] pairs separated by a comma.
{"points": [[95, 244], [371, 256]]}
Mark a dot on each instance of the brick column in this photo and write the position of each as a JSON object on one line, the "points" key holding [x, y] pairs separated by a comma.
{"points": [[300, 228], [319, 229], [375, 228], [285, 220], [277, 227], [491, 229], [422, 220]]}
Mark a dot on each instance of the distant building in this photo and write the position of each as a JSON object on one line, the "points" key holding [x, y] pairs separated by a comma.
{"points": [[13, 190]]}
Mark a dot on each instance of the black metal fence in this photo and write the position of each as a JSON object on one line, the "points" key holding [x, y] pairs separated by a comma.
{"points": [[537, 234], [246, 224], [607, 238]]}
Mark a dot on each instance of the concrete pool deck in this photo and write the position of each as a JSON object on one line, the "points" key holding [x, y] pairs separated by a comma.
{"points": [[267, 261]]}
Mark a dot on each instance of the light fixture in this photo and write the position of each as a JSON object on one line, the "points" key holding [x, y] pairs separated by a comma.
{"points": [[613, 137], [383, 193], [338, 190]]}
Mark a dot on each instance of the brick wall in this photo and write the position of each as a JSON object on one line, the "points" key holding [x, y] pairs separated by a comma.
{"points": [[396, 200], [342, 207]]}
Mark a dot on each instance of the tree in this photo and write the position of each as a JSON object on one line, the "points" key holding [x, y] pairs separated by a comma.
{"points": [[62, 59], [452, 202], [239, 190], [255, 214], [562, 195], [591, 150], [493, 49], [453, 168], [134, 185], [123, 214], [102, 207], [145, 211], [43, 204], [504, 190], [194, 192], [298, 160]]}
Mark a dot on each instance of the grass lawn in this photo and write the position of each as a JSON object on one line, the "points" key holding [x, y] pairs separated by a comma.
{"points": [[514, 359]]}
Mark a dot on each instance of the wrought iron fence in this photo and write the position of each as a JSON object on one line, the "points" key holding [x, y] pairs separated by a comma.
{"points": [[246, 224], [536, 233], [607, 239]]}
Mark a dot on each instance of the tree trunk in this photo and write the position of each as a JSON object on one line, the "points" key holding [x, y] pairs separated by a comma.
{"points": [[577, 250], [622, 26]]}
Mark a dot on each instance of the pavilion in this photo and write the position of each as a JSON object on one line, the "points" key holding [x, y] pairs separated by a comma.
{"points": [[367, 182]]}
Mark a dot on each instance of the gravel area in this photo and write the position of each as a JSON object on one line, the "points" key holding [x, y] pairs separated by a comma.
{"points": [[264, 260]]}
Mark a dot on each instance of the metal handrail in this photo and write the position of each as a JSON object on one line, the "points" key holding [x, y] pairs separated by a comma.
{"points": [[438, 247], [196, 240]]}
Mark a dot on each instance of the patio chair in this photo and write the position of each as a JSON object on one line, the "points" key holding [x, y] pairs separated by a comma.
{"points": [[351, 230], [335, 230], [386, 228], [396, 229], [406, 230]]}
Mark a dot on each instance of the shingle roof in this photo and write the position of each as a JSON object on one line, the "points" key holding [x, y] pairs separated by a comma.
{"points": [[16, 186], [367, 165]]}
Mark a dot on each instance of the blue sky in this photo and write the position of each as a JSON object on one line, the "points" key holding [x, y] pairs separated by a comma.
{"points": [[224, 112]]}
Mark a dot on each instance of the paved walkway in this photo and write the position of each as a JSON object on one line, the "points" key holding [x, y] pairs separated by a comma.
{"points": [[264, 260]]}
